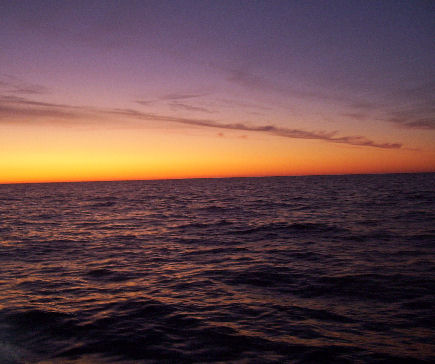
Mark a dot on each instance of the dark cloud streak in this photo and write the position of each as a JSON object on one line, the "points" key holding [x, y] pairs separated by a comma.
{"points": [[416, 107], [410, 108], [268, 129], [181, 96], [11, 107], [17, 107], [183, 106], [413, 119], [15, 86]]}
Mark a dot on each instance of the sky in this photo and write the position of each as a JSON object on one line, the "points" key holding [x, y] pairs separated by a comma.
{"points": [[116, 90]]}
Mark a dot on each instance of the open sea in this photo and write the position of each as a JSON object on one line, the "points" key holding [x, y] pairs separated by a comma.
{"points": [[316, 269]]}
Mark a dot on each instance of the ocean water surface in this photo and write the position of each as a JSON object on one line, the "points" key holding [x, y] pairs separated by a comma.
{"points": [[284, 269]]}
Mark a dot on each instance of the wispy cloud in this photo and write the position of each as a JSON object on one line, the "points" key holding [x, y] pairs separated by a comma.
{"points": [[175, 100], [144, 102], [14, 86], [17, 107], [356, 115], [416, 118], [333, 137], [11, 107], [413, 115], [423, 91], [187, 107], [181, 96], [410, 108], [252, 81], [243, 104], [416, 107]]}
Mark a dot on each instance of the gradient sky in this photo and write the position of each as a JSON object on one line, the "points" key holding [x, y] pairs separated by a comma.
{"points": [[108, 90]]}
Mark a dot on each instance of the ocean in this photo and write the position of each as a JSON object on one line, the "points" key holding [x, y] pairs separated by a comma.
{"points": [[313, 269]]}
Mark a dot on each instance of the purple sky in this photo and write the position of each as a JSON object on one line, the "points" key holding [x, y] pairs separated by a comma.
{"points": [[342, 68]]}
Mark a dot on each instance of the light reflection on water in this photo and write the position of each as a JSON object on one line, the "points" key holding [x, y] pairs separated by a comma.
{"points": [[305, 269]]}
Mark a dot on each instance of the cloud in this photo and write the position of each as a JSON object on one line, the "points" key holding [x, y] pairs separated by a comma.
{"points": [[144, 102], [11, 107], [410, 108], [244, 104], [356, 140], [252, 81], [356, 115], [174, 100], [15, 86], [181, 96], [424, 91], [416, 118], [11, 111], [19, 100], [406, 107], [183, 106], [416, 107]]}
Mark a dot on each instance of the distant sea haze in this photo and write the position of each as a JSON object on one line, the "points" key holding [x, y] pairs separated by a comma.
{"points": [[320, 269]]}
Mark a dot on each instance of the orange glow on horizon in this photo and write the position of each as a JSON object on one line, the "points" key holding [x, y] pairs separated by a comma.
{"points": [[63, 154], [273, 159]]}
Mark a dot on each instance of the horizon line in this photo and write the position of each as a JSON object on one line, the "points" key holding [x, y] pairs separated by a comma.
{"points": [[225, 177]]}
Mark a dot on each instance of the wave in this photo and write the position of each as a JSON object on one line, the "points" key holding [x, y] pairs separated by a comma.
{"points": [[320, 269], [278, 227]]}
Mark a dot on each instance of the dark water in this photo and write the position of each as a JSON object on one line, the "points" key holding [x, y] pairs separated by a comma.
{"points": [[292, 269]]}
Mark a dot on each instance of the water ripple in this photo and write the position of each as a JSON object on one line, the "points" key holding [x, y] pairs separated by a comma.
{"points": [[335, 269]]}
